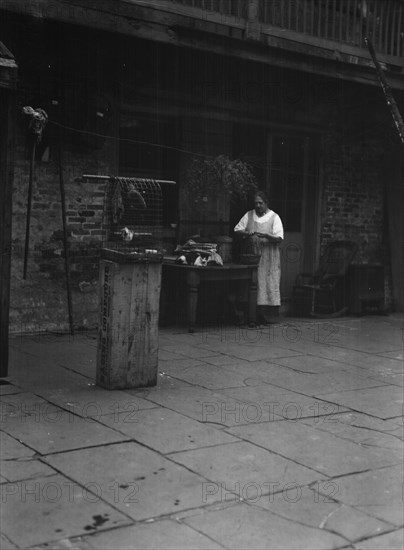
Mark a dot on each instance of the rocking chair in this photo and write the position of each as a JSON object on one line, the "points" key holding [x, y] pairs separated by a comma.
{"points": [[324, 293]]}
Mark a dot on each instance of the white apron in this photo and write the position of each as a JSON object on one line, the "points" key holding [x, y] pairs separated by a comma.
{"points": [[269, 267]]}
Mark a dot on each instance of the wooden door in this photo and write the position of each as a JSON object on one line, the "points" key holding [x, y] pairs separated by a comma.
{"points": [[291, 183], [286, 163]]}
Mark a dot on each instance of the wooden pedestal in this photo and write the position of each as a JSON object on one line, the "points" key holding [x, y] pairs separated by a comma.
{"points": [[127, 355]]}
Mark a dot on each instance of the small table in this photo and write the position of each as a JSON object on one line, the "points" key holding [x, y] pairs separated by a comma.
{"points": [[228, 272]]}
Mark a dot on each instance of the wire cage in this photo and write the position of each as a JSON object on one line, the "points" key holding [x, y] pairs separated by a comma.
{"points": [[132, 219], [133, 214]]}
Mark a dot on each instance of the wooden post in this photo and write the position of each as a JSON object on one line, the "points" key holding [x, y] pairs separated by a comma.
{"points": [[253, 27], [6, 182], [29, 203], [65, 237], [128, 323]]}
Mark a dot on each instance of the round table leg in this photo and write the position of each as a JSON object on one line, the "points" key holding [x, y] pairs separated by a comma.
{"points": [[193, 281]]}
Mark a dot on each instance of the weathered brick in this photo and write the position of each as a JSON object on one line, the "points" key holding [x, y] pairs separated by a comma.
{"points": [[86, 213]]}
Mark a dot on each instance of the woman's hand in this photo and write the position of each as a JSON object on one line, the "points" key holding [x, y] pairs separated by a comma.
{"points": [[270, 238]]}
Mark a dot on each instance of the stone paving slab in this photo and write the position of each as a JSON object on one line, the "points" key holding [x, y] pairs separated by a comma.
{"points": [[309, 507], [250, 352], [378, 493], [139, 482], [11, 448], [166, 431], [314, 364], [392, 378], [93, 402], [178, 363], [396, 354], [374, 340], [267, 403], [247, 337], [72, 353], [47, 428], [163, 534], [389, 541], [198, 403], [244, 469], [166, 355], [45, 374], [399, 420], [366, 361], [17, 461], [23, 469], [365, 430], [167, 382], [27, 507], [6, 544], [8, 389], [227, 361], [335, 378], [211, 377], [186, 349], [19, 403], [383, 402], [243, 526], [319, 450]]}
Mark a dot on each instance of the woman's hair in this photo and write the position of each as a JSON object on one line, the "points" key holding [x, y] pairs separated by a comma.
{"points": [[262, 195]]}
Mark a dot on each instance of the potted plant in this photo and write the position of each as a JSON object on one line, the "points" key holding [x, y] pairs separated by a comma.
{"points": [[209, 176], [211, 181]]}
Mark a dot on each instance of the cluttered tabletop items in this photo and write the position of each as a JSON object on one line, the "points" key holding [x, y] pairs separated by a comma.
{"points": [[220, 253], [198, 254]]}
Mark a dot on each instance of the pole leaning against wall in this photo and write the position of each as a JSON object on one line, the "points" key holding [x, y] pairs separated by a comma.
{"points": [[391, 102], [37, 122]]}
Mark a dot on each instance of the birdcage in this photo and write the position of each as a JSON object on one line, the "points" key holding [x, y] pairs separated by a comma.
{"points": [[133, 216]]}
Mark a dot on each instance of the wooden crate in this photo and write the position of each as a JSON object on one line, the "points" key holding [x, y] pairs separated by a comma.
{"points": [[127, 355]]}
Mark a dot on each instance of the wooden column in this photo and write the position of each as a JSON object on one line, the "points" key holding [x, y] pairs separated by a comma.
{"points": [[6, 182]]}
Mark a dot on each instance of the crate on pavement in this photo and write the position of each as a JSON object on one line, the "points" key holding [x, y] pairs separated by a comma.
{"points": [[128, 324], [130, 283]]}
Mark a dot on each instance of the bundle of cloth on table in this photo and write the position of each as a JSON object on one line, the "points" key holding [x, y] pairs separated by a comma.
{"points": [[196, 253]]}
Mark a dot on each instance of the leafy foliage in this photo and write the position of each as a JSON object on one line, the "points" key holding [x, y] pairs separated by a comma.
{"points": [[208, 176]]}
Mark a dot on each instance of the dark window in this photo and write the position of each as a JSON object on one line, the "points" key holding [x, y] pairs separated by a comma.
{"points": [[286, 177]]}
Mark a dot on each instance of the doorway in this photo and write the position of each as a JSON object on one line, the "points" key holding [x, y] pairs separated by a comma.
{"points": [[286, 164]]}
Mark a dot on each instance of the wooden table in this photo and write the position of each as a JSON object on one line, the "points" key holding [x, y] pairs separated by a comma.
{"points": [[194, 275]]}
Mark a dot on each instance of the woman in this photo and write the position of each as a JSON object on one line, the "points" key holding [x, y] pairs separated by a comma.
{"points": [[265, 228]]}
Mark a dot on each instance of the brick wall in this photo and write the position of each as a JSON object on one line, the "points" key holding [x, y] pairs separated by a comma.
{"points": [[353, 198], [40, 302], [353, 194]]}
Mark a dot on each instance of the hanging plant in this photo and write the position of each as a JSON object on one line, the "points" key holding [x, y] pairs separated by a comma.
{"points": [[206, 177]]}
